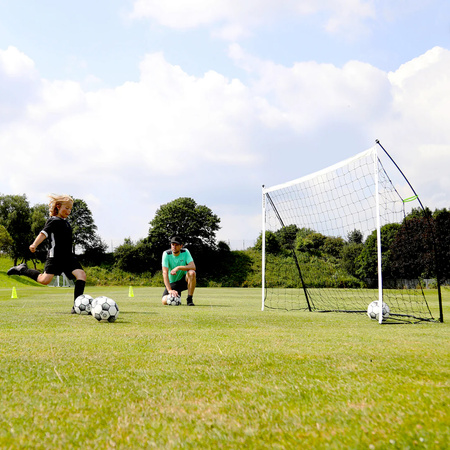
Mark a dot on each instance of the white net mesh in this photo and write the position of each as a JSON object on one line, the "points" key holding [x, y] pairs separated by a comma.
{"points": [[324, 209]]}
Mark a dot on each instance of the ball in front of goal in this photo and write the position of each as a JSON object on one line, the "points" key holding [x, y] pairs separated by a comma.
{"points": [[373, 310], [83, 304], [173, 301], [104, 309]]}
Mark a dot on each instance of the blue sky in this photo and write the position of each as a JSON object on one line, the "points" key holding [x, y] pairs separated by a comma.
{"points": [[131, 104], [75, 39]]}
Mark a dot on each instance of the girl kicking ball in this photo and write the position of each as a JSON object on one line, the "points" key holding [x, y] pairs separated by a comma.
{"points": [[60, 257]]}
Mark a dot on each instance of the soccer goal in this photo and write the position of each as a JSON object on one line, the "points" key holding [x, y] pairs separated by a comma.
{"points": [[334, 241]]}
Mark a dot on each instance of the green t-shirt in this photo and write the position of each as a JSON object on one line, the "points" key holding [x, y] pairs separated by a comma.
{"points": [[171, 261]]}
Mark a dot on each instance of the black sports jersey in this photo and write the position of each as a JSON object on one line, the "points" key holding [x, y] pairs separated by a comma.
{"points": [[59, 233]]}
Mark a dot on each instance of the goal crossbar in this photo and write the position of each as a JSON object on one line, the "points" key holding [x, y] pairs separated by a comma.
{"points": [[370, 152]]}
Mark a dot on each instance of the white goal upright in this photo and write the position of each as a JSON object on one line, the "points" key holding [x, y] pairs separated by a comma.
{"points": [[329, 241]]}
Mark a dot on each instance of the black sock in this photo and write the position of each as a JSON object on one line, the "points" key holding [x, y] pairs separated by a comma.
{"points": [[189, 298], [31, 273], [79, 288]]}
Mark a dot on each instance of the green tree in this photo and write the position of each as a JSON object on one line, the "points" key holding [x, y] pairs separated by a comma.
{"points": [[133, 257], [195, 224], [422, 245], [350, 254], [15, 215], [273, 245], [84, 229], [333, 246], [6, 241], [442, 242], [368, 259], [230, 269], [287, 236], [39, 215], [312, 243], [355, 237], [419, 213]]}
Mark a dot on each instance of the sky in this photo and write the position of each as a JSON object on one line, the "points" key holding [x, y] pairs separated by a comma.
{"points": [[130, 105]]}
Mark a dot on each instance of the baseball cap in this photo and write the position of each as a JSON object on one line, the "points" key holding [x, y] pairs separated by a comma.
{"points": [[176, 240]]}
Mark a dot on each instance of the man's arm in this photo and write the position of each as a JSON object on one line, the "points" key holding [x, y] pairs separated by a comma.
{"points": [[172, 292], [186, 268], [165, 272]]}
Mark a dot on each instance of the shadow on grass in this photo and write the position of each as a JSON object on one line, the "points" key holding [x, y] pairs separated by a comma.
{"points": [[20, 280], [207, 306]]}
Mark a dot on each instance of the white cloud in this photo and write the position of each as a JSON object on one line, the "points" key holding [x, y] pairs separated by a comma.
{"points": [[233, 19], [132, 148], [417, 122], [15, 64], [421, 92], [138, 137], [309, 94], [57, 99], [349, 17], [17, 83]]}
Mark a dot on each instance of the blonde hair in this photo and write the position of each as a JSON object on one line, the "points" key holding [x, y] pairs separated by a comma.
{"points": [[56, 201]]}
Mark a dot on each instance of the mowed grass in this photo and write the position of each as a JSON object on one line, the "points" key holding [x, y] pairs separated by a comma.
{"points": [[222, 374]]}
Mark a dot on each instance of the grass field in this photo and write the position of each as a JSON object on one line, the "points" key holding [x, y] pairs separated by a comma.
{"points": [[220, 375]]}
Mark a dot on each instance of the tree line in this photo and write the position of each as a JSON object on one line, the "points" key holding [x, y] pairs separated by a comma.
{"points": [[196, 224], [20, 223], [419, 247]]}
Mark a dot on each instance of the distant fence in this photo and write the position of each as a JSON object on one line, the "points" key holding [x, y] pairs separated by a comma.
{"points": [[239, 244], [426, 283]]}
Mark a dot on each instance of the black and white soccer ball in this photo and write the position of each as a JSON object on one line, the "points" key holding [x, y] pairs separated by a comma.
{"points": [[173, 301], [373, 310], [83, 304], [94, 302], [104, 309]]}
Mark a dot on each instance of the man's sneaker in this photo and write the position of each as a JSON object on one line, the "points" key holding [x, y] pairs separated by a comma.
{"points": [[17, 270], [73, 310], [191, 303]]}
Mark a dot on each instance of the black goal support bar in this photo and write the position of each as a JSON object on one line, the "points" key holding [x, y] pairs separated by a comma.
{"points": [[293, 253], [428, 217]]}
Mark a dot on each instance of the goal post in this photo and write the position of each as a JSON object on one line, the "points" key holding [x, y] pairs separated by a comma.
{"points": [[330, 241], [378, 228]]}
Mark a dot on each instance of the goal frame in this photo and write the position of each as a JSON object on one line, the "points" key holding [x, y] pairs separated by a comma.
{"points": [[370, 153]]}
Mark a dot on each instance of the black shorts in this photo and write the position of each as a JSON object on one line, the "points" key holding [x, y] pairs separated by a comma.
{"points": [[179, 286], [57, 266]]}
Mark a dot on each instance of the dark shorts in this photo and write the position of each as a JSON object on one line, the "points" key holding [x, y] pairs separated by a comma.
{"points": [[57, 267], [179, 286]]}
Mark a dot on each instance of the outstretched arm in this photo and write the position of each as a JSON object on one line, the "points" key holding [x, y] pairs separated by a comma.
{"points": [[40, 238]]}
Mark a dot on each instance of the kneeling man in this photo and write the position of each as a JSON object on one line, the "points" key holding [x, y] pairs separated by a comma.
{"points": [[179, 272]]}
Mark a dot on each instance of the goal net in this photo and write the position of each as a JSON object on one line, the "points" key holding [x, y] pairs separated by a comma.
{"points": [[330, 241]]}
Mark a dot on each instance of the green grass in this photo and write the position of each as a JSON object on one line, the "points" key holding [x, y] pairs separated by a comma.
{"points": [[14, 281], [220, 375]]}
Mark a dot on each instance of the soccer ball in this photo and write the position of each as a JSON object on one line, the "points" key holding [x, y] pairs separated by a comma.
{"points": [[173, 301], [83, 304], [105, 309], [94, 302], [373, 311]]}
